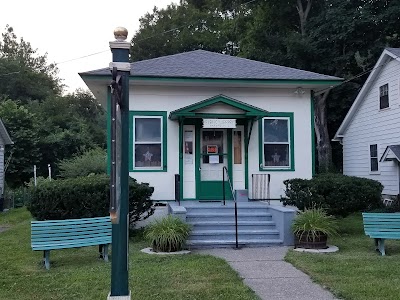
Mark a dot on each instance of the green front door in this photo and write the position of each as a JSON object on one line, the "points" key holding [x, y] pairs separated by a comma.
{"points": [[214, 151]]}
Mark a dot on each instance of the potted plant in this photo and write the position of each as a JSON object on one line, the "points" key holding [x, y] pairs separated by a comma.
{"points": [[168, 234], [312, 227]]}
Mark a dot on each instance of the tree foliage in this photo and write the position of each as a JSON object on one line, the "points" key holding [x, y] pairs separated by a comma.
{"points": [[93, 161], [189, 26], [24, 74], [76, 125], [23, 131]]}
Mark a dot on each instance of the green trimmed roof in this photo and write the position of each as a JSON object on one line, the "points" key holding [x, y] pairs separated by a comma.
{"points": [[190, 110]]}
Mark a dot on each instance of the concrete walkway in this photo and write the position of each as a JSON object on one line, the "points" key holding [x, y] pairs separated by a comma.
{"points": [[267, 274]]}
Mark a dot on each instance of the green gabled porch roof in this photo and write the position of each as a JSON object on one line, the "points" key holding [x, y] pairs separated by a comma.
{"points": [[190, 110]]}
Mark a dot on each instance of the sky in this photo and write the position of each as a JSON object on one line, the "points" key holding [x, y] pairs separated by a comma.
{"points": [[70, 29]]}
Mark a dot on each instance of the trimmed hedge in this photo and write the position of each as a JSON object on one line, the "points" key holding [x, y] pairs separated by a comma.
{"points": [[86, 197], [340, 195]]}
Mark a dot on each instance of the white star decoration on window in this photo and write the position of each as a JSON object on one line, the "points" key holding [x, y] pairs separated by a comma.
{"points": [[275, 157], [147, 156]]}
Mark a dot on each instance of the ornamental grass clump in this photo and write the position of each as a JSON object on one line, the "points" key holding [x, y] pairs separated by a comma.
{"points": [[168, 234], [312, 223]]}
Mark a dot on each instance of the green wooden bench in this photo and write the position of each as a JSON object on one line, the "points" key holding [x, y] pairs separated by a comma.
{"points": [[72, 233], [381, 226]]}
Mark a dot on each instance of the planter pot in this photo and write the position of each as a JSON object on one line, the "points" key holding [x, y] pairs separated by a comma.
{"points": [[305, 240], [168, 248]]}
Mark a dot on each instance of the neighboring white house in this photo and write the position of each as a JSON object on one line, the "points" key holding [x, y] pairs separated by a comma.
{"points": [[4, 140], [370, 132], [196, 112]]}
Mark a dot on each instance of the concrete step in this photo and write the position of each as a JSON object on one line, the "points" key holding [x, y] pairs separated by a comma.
{"points": [[245, 207], [224, 235], [203, 244], [230, 225], [228, 216], [230, 210]]}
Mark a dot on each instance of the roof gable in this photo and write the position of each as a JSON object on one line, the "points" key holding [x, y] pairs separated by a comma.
{"points": [[391, 152], [201, 64], [5, 137], [387, 55], [190, 110]]}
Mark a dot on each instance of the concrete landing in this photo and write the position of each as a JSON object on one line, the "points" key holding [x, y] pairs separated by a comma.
{"points": [[269, 276]]}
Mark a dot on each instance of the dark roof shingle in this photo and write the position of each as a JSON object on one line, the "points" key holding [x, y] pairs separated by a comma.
{"points": [[205, 64]]}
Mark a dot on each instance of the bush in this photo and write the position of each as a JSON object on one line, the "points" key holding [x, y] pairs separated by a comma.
{"points": [[86, 197], [168, 234], [91, 162], [340, 195]]}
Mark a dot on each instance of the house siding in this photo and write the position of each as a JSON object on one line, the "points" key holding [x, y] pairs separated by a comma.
{"points": [[170, 98], [370, 125]]}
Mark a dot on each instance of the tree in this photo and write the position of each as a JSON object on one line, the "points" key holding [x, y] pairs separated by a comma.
{"points": [[23, 132], [24, 74], [90, 162], [67, 126], [176, 29], [91, 112]]}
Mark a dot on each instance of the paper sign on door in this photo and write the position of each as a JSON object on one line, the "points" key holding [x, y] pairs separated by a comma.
{"points": [[214, 159]]}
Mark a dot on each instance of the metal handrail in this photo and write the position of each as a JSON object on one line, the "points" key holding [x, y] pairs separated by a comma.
{"points": [[225, 170]]}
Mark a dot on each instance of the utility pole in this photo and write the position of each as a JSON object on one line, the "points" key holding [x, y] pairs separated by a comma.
{"points": [[119, 183]]}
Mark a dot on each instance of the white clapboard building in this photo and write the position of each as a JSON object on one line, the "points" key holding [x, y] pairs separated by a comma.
{"points": [[370, 132]]}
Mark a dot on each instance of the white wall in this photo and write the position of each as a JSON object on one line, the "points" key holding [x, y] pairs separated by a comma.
{"points": [[164, 98], [370, 125]]}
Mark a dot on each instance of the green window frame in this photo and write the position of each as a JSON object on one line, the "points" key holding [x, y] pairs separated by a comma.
{"points": [[289, 117], [133, 143]]}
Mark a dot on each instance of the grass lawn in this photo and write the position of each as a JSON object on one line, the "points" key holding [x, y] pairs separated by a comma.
{"points": [[356, 271], [78, 274]]}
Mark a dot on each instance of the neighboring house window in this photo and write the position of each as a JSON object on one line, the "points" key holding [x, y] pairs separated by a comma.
{"points": [[277, 142], [384, 96], [148, 133], [373, 154]]}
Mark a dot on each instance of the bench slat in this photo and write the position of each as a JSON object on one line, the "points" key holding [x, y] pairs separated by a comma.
{"points": [[379, 236], [380, 221], [386, 221], [77, 231], [67, 242], [388, 233], [382, 227], [70, 221], [68, 237], [71, 227], [54, 246], [381, 215]]}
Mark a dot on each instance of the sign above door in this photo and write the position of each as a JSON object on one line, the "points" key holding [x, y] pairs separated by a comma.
{"points": [[219, 123]]}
